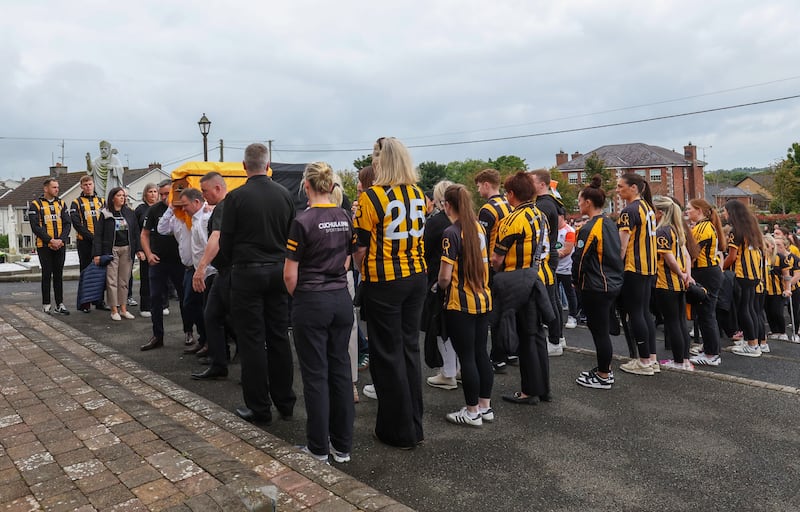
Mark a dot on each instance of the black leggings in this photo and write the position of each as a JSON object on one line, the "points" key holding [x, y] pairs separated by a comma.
{"points": [[469, 334], [598, 307], [746, 308], [761, 327], [709, 278], [672, 305], [773, 306], [635, 297]]}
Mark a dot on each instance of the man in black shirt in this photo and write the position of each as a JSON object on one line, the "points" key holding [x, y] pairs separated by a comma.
{"points": [[165, 265], [253, 238], [551, 208]]}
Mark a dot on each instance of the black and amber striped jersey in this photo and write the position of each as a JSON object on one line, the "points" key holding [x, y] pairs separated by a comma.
{"points": [[667, 243], [519, 236], [597, 260], [546, 274], [640, 221], [48, 219], [490, 215], [794, 268], [748, 264], [706, 237], [83, 213], [460, 295], [776, 268], [389, 222]]}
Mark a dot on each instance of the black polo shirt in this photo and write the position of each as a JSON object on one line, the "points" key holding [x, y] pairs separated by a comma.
{"points": [[256, 223]]}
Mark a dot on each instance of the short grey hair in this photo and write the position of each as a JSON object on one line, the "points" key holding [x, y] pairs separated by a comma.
{"points": [[256, 158], [192, 194]]}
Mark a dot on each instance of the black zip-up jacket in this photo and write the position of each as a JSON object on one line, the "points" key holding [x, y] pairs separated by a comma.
{"points": [[106, 229], [597, 260]]}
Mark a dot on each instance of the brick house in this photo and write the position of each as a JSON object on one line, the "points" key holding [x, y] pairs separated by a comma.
{"points": [[669, 173]]}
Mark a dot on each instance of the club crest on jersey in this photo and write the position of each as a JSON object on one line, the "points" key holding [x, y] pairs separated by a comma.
{"points": [[624, 219], [581, 243]]}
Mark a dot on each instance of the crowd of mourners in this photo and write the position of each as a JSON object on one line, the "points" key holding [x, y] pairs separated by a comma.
{"points": [[488, 286]]}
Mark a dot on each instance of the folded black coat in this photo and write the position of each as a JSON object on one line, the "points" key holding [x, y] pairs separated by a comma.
{"points": [[519, 291], [433, 325]]}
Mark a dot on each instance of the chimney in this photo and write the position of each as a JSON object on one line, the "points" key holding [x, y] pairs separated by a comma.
{"points": [[690, 153], [576, 155], [153, 165], [561, 158], [57, 170]]}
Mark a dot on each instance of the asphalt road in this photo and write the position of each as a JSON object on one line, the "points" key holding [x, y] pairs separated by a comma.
{"points": [[674, 441]]}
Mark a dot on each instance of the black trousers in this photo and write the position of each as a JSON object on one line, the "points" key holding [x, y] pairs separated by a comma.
{"points": [[534, 363], [52, 263], [393, 310], [469, 334], [322, 322], [709, 278], [773, 306], [161, 274], [598, 308], [84, 248], [672, 305], [192, 311], [565, 280], [635, 297], [260, 306], [554, 327], [761, 326], [218, 305]]}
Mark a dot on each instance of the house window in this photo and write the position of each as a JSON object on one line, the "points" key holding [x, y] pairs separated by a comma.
{"points": [[655, 175], [642, 173], [573, 178]]}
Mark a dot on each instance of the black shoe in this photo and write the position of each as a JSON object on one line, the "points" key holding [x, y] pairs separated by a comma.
{"points": [[85, 308], [517, 398], [205, 360], [513, 360], [202, 351], [248, 415], [210, 373], [546, 398], [286, 416], [102, 306], [191, 350], [499, 367], [154, 342]]}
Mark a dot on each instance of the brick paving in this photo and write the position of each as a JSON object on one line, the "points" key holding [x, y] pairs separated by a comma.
{"points": [[84, 428]]}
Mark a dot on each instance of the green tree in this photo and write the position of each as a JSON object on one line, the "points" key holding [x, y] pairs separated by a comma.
{"points": [[363, 161], [596, 165], [786, 185], [508, 164], [3, 241], [430, 173], [349, 183]]}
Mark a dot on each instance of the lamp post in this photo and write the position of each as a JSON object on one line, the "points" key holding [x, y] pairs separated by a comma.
{"points": [[205, 127]]}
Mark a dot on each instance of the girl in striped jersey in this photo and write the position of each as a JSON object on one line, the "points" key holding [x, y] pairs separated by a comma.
{"points": [[637, 234], [710, 239], [777, 281], [673, 275], [744, 257], [464, 274]]}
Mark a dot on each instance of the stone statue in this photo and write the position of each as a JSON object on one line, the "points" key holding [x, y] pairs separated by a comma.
{"points": [[106, 169]]}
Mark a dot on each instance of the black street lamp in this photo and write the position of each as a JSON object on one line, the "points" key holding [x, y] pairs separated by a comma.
{"points": [[205, 127]]}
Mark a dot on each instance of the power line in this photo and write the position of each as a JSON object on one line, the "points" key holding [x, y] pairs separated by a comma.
{"points": [[558, 132]]}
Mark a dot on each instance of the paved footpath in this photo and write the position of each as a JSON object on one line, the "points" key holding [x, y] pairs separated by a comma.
{"points": [[84, 428]]}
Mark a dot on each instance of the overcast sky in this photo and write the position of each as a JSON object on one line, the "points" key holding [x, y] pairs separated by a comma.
{"points": [[336, 75]]}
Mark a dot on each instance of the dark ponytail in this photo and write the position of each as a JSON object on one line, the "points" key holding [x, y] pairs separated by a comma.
{"points": [[594, 192], [641, 185]]}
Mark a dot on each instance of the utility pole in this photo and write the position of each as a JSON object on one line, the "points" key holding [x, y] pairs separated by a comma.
{"points": [[270, 150], [221, 149]]}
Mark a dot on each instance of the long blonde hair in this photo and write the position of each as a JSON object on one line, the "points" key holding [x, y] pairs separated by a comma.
{"points": [[672, 216], [393, 165]]}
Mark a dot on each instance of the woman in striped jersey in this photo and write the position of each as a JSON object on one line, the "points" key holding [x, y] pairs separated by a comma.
{"points": [[707, 233], [673, 275], [777, 281], [389, 224], [744, 257], [464, 274], [637, 234]]}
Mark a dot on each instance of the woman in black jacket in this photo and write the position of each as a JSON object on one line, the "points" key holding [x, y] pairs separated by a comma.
{"points": [[597, 271], [117, 235]]}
